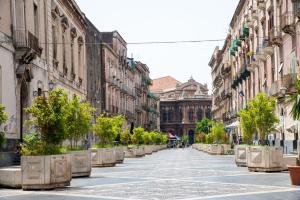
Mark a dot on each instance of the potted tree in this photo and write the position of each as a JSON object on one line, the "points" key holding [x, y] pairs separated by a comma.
{"points": [[78, 123], [42, 163], [294, 99], [147, 141], [104, 155], [3, 118], [136, 149], [264, 158], [120, 154], [248, 129]]}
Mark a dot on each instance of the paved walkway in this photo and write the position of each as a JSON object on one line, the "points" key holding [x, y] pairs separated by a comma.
{"points": [[171, 174]]}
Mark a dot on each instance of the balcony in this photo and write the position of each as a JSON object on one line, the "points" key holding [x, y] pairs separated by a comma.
{"points": [[288, 82], [275, 36], [288, 23], [261, 4], [27, 45], [259, 54], [275, 89], [267, 48]]}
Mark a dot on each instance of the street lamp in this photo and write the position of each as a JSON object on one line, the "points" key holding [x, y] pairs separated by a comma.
{"points": [[39, 91]]}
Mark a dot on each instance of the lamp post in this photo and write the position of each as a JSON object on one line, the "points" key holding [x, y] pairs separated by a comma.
{"points": [[283, 93], [40, 92]]}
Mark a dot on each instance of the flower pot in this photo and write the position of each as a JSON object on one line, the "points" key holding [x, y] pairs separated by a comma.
{"points": [[46, 172], [120, 155], [81, 163], [294, 174], [103, 157], [225, 148], [265, 159], [241, 156]]}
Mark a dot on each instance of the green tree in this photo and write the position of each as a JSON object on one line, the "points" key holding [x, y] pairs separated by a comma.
{"points": [[146, 138], [218, 133], [3, 118], [105, 129], [137, 136], [294, 99], [49, 121], [247, 125], [203, 126], [209, 139], [78, 120], [262, 108], [165, 138], [125, 137]]}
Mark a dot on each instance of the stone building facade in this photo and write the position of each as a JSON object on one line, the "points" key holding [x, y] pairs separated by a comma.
{"points": [[263, 53], [119, 77], [182, 105], [126, 83], [94, 67], [42, 49]]}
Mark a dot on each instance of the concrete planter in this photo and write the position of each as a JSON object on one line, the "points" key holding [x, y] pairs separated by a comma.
{"points": [[104, 157], [46, 172], [226, 148], [216, 149], [289, 160], [81, 163], [241, 155], [120, 155], [134, 152], [265, 159], [148, 149], [155, 148], [11, 177]]}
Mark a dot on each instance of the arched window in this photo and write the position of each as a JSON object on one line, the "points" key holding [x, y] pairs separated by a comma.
{"points": [[200, 114], [180, 115], [208, 113], [191, 115], [165, 116], [170, 115]]}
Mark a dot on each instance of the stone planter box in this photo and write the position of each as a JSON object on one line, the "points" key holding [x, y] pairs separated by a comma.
{"points": [[215, 149], [81, 163], [11, 177], [265, 159], [148, 149], [289, 160], [103, 157], [241, 155], [134, 152], [155, 148], [226, 148], [120, 155], [46, 172]]}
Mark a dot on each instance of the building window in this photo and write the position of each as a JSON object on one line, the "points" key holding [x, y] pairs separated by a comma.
{"points": [[165, 116], [54, 41], [36, 20], [170, 115], [191, 115], [200, 114], [208, 113], [72, 58]]}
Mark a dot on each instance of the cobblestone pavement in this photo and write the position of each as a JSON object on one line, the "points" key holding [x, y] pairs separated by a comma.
{"points": [[171, 174]]}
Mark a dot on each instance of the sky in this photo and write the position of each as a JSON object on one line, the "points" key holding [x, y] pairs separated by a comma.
{"points": [[166, 20]]}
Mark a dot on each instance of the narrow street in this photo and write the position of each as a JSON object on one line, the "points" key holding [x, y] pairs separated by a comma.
{"points": [[170, 174]]}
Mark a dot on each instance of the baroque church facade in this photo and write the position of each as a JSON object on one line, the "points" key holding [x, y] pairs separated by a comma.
{"points": [[181, 105]]}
